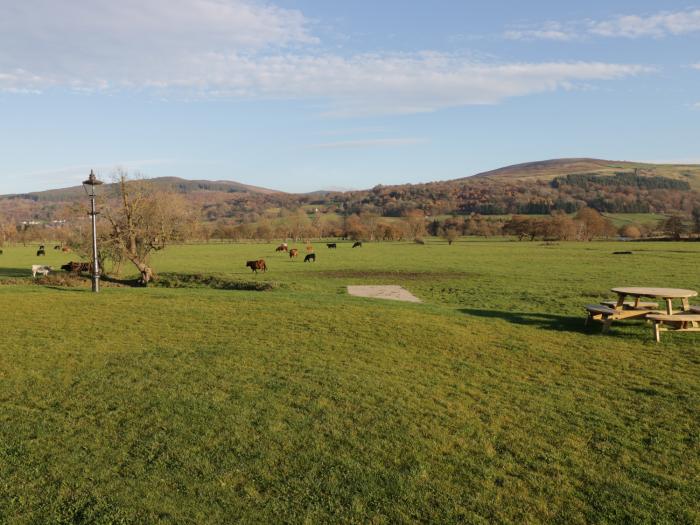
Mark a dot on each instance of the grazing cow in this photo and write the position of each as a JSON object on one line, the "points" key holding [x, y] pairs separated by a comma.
{"points": [[311, 257], [65, 249], [332, 245], [293, 253], [281, 248], [57, 247], [358, 244], [42, 247], [257, 265], [40, 252], [39, 268], [76, 267]]}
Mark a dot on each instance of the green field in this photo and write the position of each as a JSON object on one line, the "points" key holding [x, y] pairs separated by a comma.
{"points": [[489, 402]]}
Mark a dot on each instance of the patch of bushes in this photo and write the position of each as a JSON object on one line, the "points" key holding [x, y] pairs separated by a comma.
{"points": [[67, 280], [199, 280]]}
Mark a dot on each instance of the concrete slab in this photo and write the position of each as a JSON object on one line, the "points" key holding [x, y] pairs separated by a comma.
{"points": [[391, 292]]}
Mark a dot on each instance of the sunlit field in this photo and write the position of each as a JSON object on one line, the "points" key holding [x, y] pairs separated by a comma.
{"points": [[487, 402]]}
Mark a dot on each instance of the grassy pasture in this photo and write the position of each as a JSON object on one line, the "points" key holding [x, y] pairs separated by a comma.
{"points": [[489, 402]]}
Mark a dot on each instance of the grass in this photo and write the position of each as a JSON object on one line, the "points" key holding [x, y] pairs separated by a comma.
{"points": [[489, 402]]}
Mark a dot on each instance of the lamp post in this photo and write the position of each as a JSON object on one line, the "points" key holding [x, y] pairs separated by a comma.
{"points": [[90, 183]]}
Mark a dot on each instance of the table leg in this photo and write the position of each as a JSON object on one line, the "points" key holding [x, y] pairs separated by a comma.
{"points": [[636, 302], [686, 304], [620, 301], [669, 306]]}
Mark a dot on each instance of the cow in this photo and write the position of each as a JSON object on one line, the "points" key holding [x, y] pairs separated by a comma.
{"points": [[332, 245], [76, 267], [358, 244], [57, 247], [293, 253], [40, 268], [309, 248], [42, 247], [40, 252], [281, 248], [311, 257], [65, 249], [257, 265], [0, 252]]}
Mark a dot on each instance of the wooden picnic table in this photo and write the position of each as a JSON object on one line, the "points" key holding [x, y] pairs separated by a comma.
{"points": [[667, 294]]}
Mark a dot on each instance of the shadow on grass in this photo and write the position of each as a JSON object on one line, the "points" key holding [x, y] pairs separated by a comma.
{"points": [[15, 272], [559, 323]]}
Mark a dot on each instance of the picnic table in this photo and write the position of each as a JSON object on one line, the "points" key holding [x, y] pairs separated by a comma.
{"points": [[667, 294]]}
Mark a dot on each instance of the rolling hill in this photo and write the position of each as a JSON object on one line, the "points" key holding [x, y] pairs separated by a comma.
{"points": [[174, 184], [548, 170]]}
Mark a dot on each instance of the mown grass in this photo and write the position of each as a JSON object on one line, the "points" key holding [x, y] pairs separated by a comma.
{"points": [[489, 402]]}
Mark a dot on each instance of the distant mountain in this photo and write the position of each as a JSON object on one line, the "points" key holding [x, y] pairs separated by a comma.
{"points": [[174, 184], [548, 170]]}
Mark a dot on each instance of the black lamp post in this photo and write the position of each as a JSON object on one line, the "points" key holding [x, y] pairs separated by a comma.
{"points": [[89, 186]]}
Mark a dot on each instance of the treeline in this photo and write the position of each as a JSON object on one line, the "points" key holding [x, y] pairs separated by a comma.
{"points": [[620, 179]]}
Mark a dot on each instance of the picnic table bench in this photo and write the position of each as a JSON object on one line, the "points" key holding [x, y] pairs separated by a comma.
{"points": [[687, 320]]}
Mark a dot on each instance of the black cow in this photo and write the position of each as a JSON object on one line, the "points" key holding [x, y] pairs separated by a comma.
{"points": [[57, 247], [311, 257], [332, 245], [40, 252], [358, 244], [76, 267]]}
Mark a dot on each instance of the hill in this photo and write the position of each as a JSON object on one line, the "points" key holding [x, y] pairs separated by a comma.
{"points": [[174, 184], [549, 170]]}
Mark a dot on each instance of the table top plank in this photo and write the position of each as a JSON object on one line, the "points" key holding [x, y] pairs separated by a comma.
{"points": [[665, 293]]}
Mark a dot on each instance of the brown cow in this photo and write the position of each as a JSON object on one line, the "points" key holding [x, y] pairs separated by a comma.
{"points": [[293, 253], [281, 248], [257, 265]]}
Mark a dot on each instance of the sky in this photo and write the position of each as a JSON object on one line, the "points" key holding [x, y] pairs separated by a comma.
{"points": [[301, 95]]}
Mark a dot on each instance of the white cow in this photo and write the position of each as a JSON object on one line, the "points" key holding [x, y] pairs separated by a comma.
{"points": [[40, 268]]}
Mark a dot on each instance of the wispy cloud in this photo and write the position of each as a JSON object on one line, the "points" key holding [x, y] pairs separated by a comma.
{"points": [[370, 143], [245, 49], [74, 175], [695, 106], [695, 66], [657, 25], [548, 31]]}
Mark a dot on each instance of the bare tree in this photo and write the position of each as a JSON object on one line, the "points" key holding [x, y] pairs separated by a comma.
{"points": [[142, 220]]}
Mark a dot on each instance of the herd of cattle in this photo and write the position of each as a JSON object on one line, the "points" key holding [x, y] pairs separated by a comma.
{"points": [[261, 265], [255, 266]]}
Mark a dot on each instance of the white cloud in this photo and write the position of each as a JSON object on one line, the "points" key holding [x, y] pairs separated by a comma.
{"points": [[549, 31], [241, 48], [73, 175], [695, 66], [696, 106], [370, 143], [658, 25]]}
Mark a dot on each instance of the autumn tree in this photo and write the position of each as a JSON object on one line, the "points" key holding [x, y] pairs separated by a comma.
{"points": [[696, 220], [592, 224], [450, 234], [141, 221], [674, 226]]}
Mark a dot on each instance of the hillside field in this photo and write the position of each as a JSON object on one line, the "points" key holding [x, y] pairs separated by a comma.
{"points": [[488, 402]]}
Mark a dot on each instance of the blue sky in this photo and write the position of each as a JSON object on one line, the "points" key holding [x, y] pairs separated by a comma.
{"points": [[307, 94]]}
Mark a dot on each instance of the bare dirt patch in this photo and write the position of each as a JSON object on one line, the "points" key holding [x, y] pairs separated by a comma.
{"points": [[391, 292]]}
